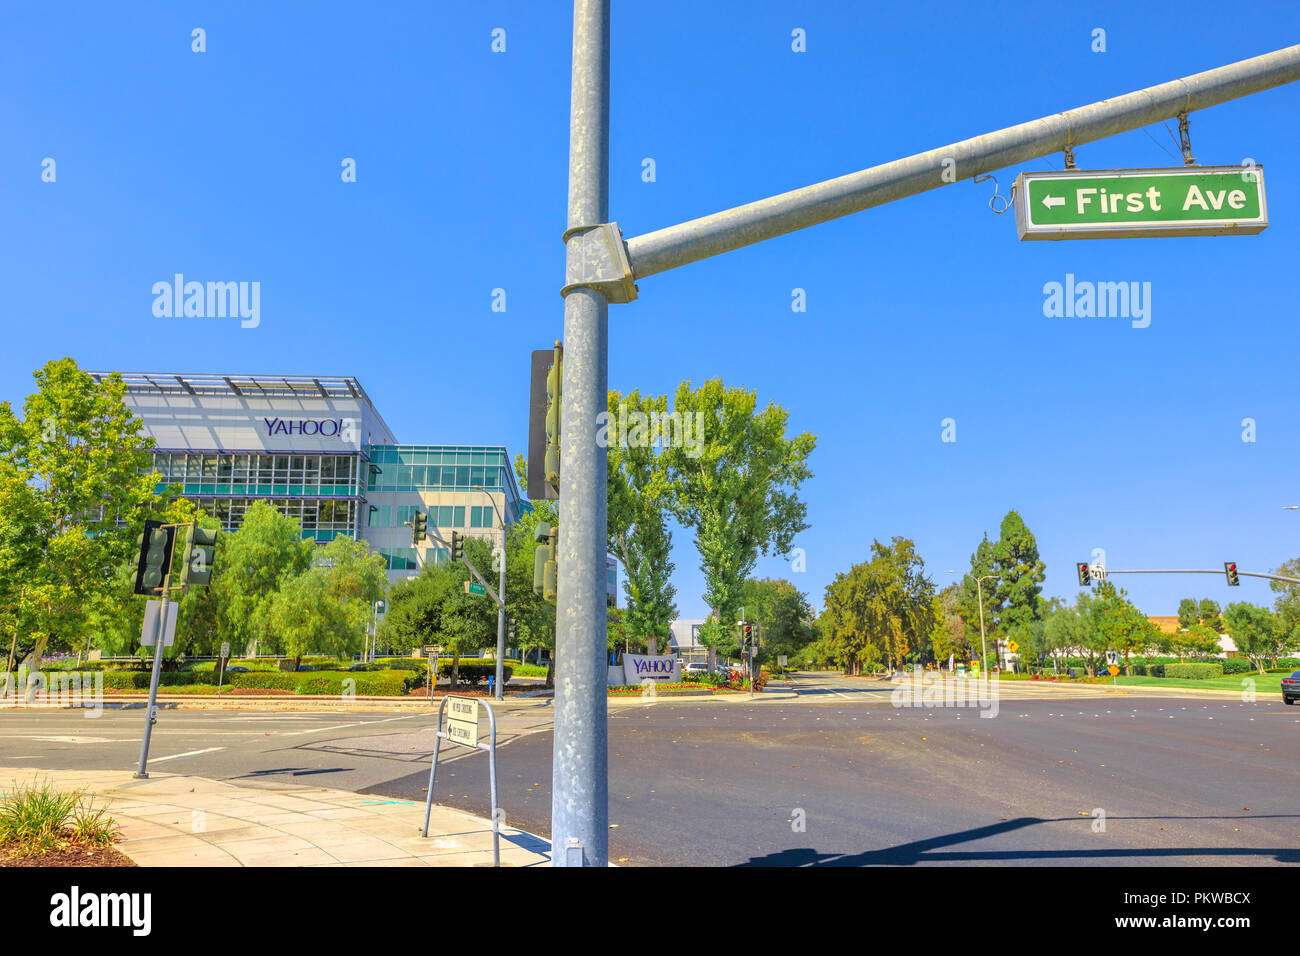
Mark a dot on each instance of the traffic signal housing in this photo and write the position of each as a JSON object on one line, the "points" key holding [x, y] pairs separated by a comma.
{"points": [[544, 423], [1085, 574], [457, 546], [1230, 572], [545, 568], [419, 528], [154, 564], [202, 556]]}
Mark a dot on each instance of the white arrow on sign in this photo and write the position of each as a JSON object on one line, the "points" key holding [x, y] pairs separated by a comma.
{"points": [[1050, 201]]}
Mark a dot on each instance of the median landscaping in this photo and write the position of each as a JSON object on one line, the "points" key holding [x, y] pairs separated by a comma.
{"points": [[391, 677], [43, 826]]}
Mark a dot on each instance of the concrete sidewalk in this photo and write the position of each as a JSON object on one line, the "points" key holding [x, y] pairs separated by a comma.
{"points": [[176, 820]]}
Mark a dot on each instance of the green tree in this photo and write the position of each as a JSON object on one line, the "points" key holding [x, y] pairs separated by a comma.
{"points": [[1257, 632], [980, 582], [267, 550], [948, 637], [736, 487], [72, 465], [638, 489], [785, 618], [1020, 574], [879, 610]]}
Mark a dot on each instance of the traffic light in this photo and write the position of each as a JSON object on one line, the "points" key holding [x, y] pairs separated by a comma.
{"points": [[544, 423], [545, 569], [1085, 575], [1230, 571], [749, 634], [511, 632], [419, 528], [457, 546], [203, 554], [155, 561]]}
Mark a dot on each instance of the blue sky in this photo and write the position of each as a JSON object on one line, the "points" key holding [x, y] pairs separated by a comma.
{"points": [[225, 165]]}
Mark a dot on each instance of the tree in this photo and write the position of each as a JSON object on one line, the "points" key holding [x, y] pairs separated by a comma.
{"points": [[980, 583], [638, 488], [1118, 624], [72, 466], [880, 609], [1020, 574], [948, 636], [783, 614], [267, 550], [1257, 632], [327, 608], [736, 487], [1066, 630], [534, 618], [1287, 605]]}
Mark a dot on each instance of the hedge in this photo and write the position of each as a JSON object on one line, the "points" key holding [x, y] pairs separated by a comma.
{"points": [[1194, 671]]}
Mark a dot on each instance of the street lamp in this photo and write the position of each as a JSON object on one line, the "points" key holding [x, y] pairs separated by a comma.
{"points": [[979, 590], [498, 690]]}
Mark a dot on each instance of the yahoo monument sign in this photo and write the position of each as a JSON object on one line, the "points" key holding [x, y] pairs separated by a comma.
{"points": [[640, 667]]}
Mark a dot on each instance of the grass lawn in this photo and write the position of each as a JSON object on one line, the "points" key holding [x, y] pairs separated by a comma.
{"points": [[1264, 684]]}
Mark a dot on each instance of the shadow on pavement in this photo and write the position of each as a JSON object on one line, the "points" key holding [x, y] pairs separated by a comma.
{"points": [[924, 851]]}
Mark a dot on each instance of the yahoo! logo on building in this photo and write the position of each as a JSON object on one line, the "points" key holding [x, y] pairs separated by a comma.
{"points": [[324, 427]]}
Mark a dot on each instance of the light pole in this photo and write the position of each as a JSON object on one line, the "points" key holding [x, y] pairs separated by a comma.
{"points": [[499, 691], [979, 591]]}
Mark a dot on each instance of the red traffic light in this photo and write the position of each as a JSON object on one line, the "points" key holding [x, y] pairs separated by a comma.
{"points": [[1230, 572]]}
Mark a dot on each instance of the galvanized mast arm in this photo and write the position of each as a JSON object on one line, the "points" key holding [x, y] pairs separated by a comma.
{"points": [[744, 225]]}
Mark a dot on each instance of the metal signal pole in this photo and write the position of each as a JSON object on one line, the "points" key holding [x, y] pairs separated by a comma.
{"points": [[600, 268]]}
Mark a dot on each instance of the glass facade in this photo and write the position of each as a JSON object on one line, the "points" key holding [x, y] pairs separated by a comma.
{"points": [[442, 468], [323, 493], [261, 475]]}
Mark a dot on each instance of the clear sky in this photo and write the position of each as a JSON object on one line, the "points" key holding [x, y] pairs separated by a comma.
{"points": [[225, 166]]}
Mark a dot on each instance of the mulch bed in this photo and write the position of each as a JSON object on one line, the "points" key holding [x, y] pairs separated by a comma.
{"points": [[69, 856]]}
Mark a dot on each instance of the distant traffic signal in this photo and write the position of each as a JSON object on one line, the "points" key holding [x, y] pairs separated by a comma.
{"points": [[749, 633], [419, 528], [1085, 574], [155, 561], [457, 546], [203, 555], [1230, 571]]}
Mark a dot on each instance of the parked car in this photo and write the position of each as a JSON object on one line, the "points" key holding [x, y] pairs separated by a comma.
{"points": [[236, 670], [1291, 688], [696, 667]]}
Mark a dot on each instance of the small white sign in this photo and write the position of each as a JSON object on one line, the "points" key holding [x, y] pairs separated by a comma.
{"points": [[462, 720], [225, 650], [150, 627]]}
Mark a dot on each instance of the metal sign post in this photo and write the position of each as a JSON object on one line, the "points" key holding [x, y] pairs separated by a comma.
{"points": [[160, 637], [462, 729]]}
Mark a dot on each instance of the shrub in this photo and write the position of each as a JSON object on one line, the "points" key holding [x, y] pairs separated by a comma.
{"points": [[472, 672], [371, 684], [1236, 665], [38, 818], [1194, 671]]}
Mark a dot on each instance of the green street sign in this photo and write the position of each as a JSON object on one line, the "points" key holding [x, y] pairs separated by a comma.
{"points": [[1128, 203], [473, 587]]}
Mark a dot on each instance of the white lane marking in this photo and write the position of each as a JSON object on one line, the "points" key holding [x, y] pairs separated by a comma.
{"points": [[188, 753], [66, 739]]}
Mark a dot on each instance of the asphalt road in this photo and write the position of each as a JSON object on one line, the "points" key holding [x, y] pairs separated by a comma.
{"points": [[1180, 781]]}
